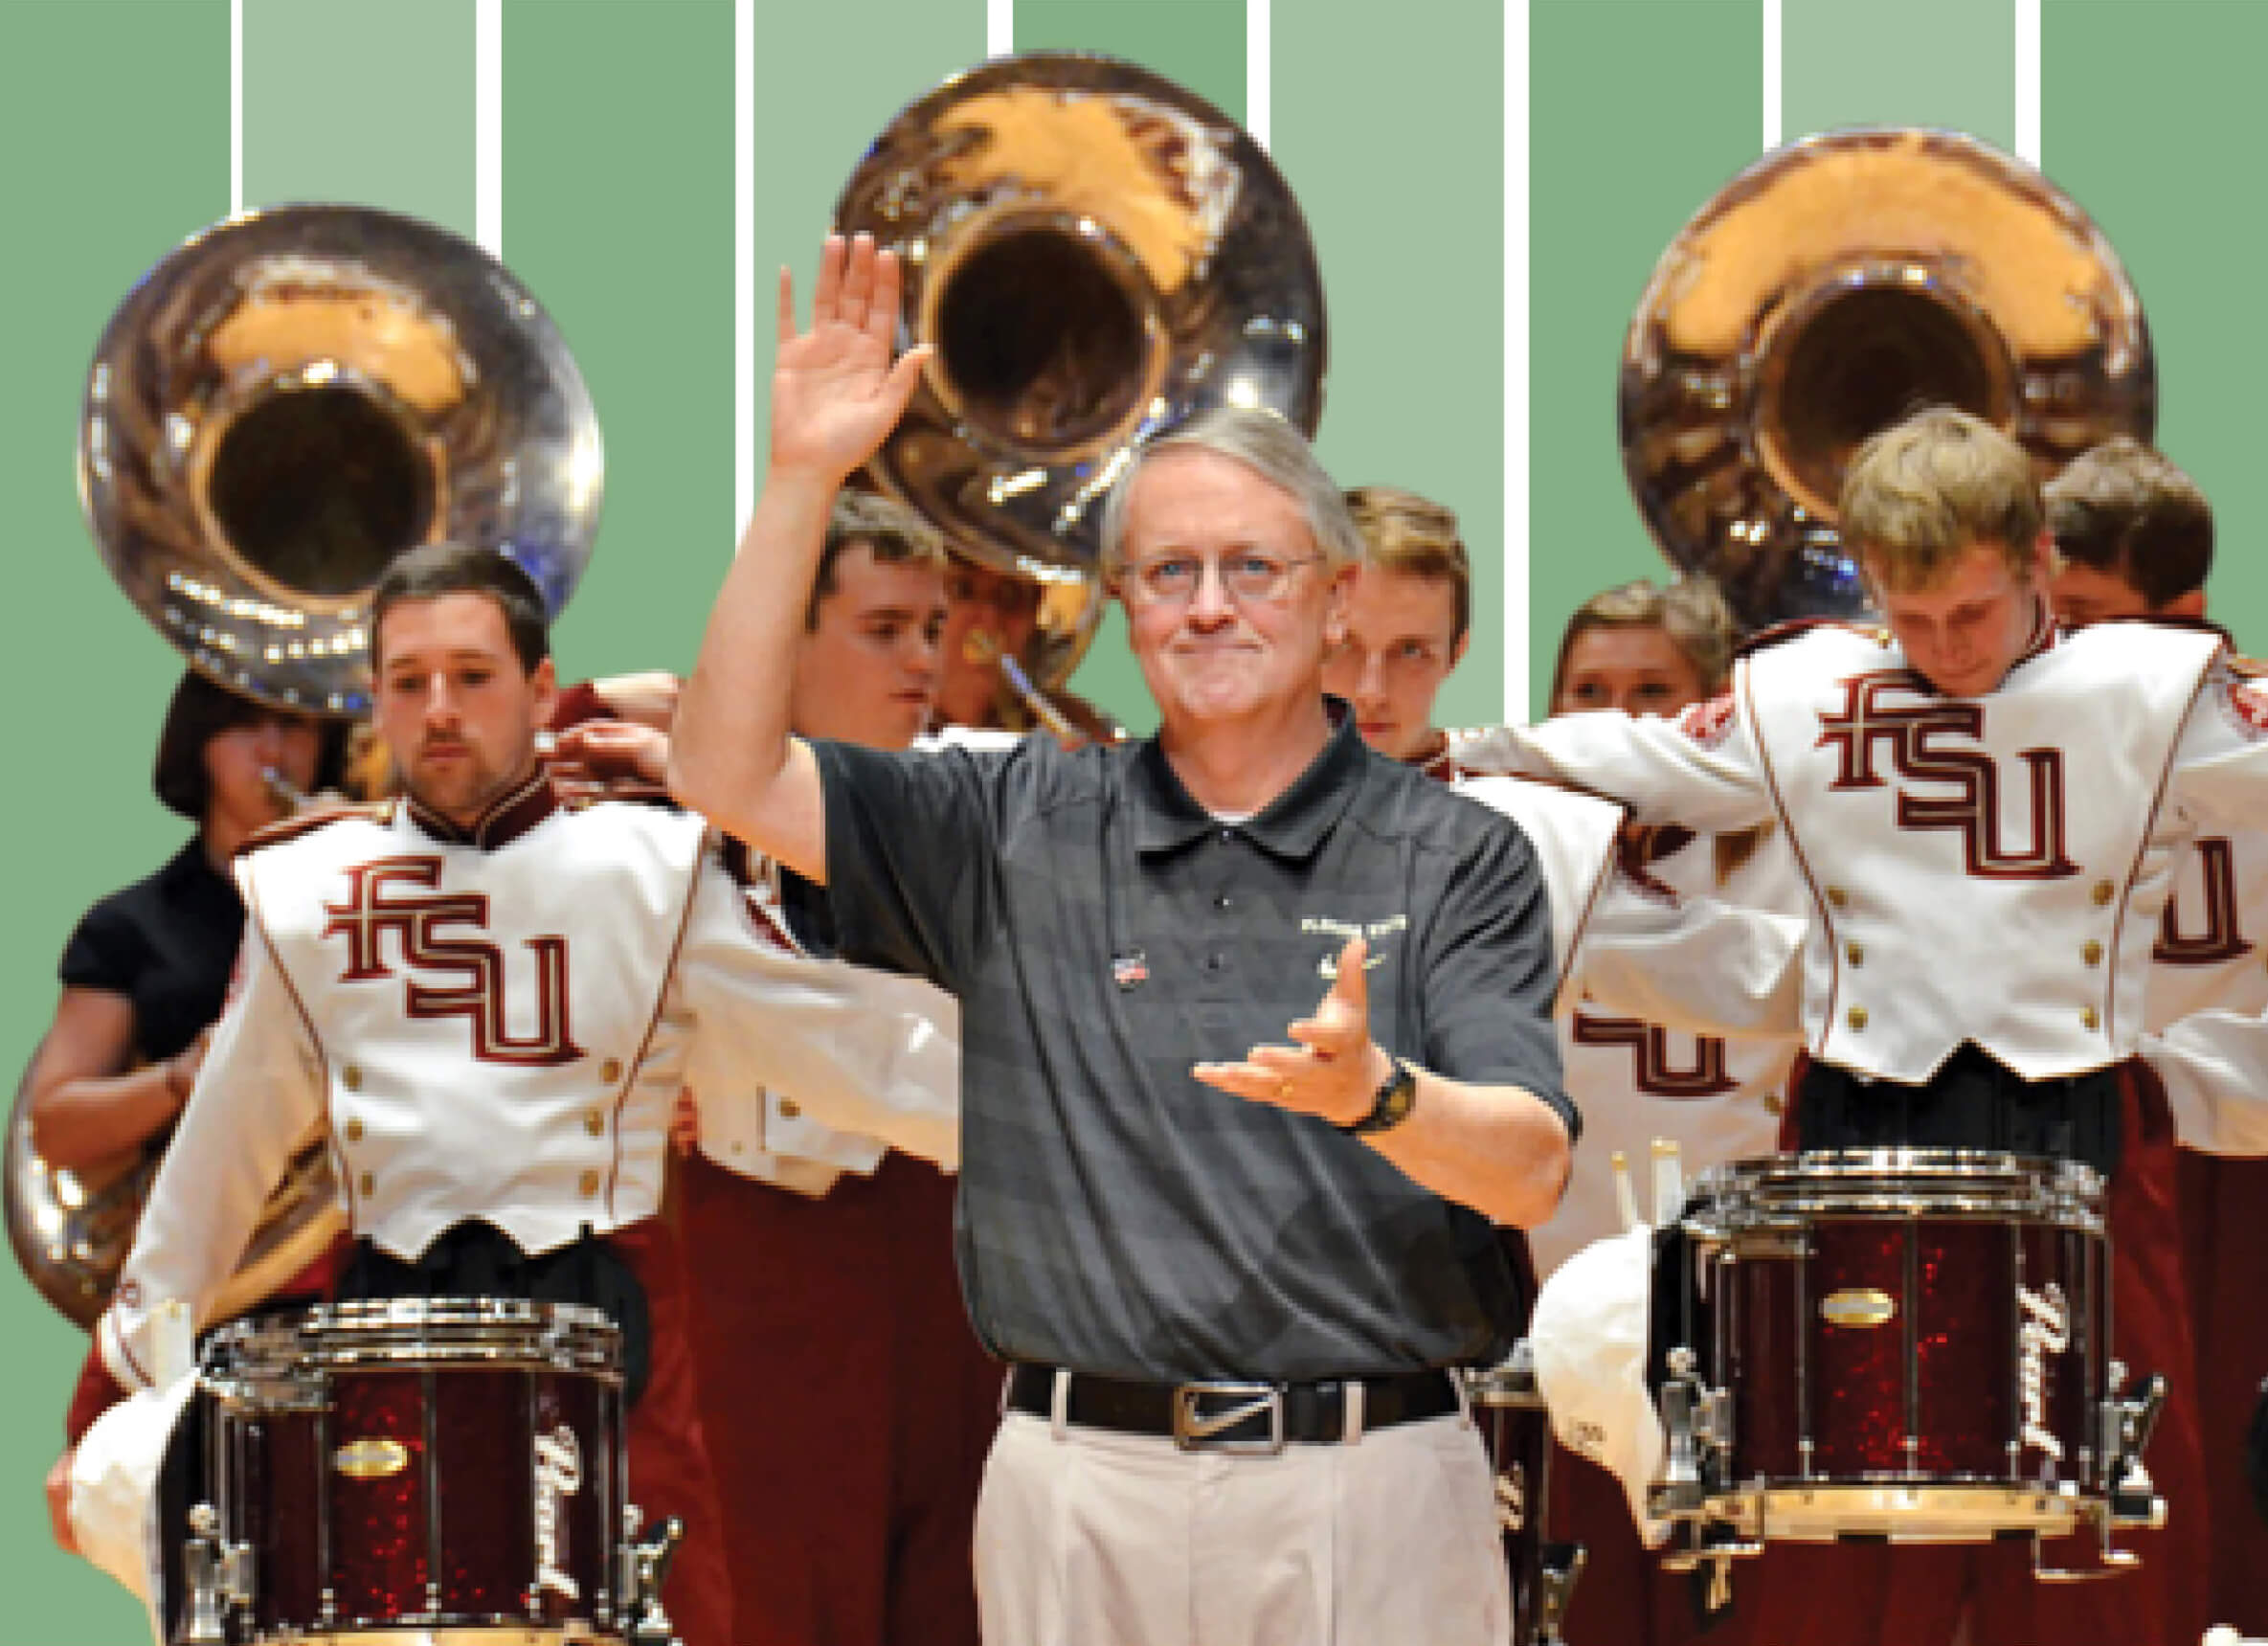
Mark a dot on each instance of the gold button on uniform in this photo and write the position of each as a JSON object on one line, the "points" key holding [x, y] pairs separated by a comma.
{"points": [[610, 1070], [369, 1184], [588, 1184], [2090, 1018], [595, 1123], [350, 1077], [1774, 1103], [1856, 953], [2104, 891], [1855, 1017], [2092, 954], [790, 1109], [1840, 898], [354, 1131]]}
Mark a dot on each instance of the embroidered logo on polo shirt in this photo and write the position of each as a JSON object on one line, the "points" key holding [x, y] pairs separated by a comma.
{"points": [[1129, 970], [1345, 932]]}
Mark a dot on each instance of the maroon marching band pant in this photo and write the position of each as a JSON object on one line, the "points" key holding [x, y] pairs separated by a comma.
{"points": [[849, 1406], [2223, 1201], [669, 1473], [1853, 1594]]}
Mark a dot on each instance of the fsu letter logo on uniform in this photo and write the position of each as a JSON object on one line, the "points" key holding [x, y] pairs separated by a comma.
{"points": [[2221, 940], [1896, 709], [1652, 1072], [384, 897]]}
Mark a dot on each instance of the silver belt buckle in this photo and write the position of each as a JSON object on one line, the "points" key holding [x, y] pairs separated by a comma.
{"points": [[1199, 1431]]}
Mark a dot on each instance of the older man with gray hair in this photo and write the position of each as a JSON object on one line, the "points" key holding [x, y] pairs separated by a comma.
{"points": [[1215, 1262]]}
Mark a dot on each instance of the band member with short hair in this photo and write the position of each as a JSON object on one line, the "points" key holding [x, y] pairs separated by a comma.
{"points": [[1718, 1094], [846, 1404], [491, 1002], [1195, 1246], [2133, 539], [1987, 813]]}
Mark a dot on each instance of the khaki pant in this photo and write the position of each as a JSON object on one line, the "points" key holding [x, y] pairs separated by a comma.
{"points": [[1090, 1538]]}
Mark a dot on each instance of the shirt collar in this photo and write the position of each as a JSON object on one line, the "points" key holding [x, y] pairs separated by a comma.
{"points": [[507, 818], [1291, 826]]}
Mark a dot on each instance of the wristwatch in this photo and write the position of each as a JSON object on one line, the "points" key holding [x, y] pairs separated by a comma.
{"points": [[1395, 1099]]}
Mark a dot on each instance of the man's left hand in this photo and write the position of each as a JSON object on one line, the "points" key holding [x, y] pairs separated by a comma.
{"points": [[1334, 1071]]}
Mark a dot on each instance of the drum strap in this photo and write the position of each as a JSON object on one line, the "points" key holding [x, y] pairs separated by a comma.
{"points": [[1973, 1101], [476, 1259]]}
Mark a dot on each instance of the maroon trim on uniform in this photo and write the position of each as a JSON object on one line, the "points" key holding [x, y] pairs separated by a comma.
{"points": [[632, 1063], [1834, 949], [504, 819], [2149, 828]]}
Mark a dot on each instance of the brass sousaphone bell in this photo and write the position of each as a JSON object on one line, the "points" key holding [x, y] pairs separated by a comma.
{"points": [[1835, 287], [1097, 254], [280, 408]]}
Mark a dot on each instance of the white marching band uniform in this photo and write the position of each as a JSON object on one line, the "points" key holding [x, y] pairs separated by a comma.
{"points": [[498, 1029], [1927, 825], [1923, 827], [1715, 1090], [772, 1136], [2208, 1012]]}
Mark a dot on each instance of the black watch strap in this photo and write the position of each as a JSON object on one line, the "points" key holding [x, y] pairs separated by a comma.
{"points": [[1396, 1097]]}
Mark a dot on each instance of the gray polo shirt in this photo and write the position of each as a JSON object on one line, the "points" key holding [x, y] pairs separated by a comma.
{"points": [[1103, 933]]}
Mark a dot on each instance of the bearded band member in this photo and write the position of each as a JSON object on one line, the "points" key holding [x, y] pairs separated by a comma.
{"points": [[510, 1135]]}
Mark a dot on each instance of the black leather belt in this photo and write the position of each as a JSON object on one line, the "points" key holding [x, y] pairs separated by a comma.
{"points": [[1232, 1416]]}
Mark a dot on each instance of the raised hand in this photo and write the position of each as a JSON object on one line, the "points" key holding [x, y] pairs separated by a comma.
{"points": [[1334, 1071], [835, 391]]}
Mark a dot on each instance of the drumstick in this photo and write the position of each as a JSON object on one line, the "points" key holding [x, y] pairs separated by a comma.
{"points": [[1669, 1183], [1625, 1199]]}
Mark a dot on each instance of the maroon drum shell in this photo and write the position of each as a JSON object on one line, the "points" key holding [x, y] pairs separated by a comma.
{"points": [[1944, 1365], [448, 1495]]}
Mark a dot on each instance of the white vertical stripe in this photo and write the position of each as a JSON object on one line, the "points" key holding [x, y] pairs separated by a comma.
{"points": [[1517, 603], [744, 264], [1259, 80], [488, 125], [2028, 79], [999, 28], [235, 106], [1772, 132]]}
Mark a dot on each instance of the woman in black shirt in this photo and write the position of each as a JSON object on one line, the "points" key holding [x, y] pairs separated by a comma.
{"points": [[147, 971]]}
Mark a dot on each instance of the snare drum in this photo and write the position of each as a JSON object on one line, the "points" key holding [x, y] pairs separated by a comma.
{"points": [[1911, 1345], [381, 1469]]}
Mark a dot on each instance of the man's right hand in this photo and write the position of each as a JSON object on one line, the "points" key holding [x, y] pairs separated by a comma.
{"points": [[835, 393]]}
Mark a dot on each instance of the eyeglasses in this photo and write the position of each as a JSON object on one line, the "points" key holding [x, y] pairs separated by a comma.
{"points": [[1174, 579]]}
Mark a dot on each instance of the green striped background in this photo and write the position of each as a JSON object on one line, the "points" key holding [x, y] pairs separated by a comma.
{"points": [[618, 209]]}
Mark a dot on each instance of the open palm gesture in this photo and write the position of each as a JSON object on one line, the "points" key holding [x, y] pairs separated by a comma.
{"points": [[835, 391]]}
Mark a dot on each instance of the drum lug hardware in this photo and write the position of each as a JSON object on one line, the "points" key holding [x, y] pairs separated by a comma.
{"points": [[1679, 1495], [2128, 1421], [645, 1569], [218, 1575], [1562, 1568]]}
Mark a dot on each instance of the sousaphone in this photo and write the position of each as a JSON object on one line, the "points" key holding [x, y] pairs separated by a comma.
{"points": [[1097, 254], [280, 408], [1833, 288]]}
